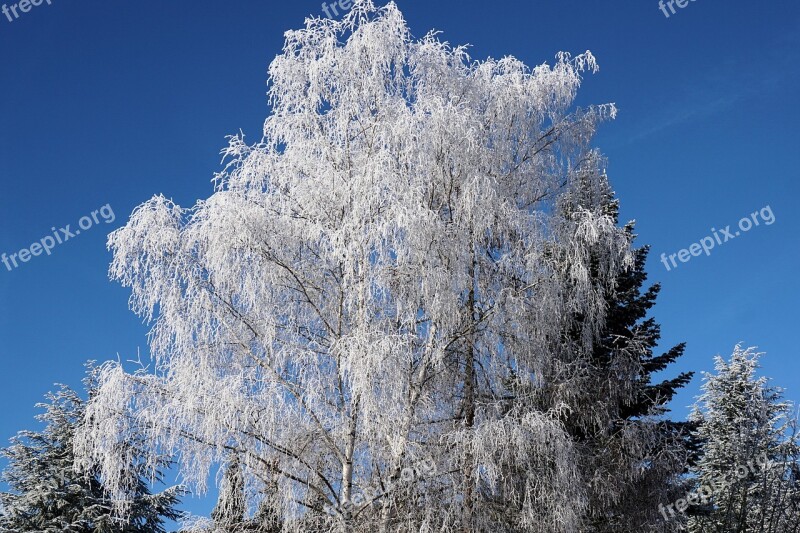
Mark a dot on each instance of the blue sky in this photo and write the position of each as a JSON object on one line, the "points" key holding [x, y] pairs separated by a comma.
{"points": [[112, 102]]}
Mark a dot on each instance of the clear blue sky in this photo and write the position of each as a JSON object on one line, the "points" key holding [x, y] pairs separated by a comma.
{"points": [[110, 102]]}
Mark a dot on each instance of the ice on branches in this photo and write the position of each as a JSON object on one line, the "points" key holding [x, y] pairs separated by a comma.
{"points": [[366, 281]]}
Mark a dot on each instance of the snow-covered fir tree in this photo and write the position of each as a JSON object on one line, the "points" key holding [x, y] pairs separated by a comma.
{"points": [[631, 458], [747, 477], [48, 495], [231, 509], [371, 285]]}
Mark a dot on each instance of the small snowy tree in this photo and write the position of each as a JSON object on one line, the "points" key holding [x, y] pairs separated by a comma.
{"points": [[231, 509], [366, 285], [48, 495], [748, 472]]}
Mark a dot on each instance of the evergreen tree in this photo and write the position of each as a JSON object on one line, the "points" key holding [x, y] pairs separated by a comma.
{"points": [[48, 495], [231, 509], [604, 393], [632, 457], [637, 459], [230, 515], [268, 517], [747, 476]]}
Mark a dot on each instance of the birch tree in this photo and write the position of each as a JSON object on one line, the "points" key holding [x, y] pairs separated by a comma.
{"points": [[366, 285]]}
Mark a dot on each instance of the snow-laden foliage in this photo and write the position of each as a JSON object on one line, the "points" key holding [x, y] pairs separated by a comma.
{"points": [[231, 509], [47, 495], [629, 457], [368, 284], [749, 473]]}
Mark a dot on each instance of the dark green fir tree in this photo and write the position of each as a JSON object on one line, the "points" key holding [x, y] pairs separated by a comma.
{"points": [[48, 495]]}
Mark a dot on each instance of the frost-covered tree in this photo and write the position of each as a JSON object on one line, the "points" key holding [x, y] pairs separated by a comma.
{"points": [[367, 285], [48, 495], [631, 458], [267, 518], [231, 509], [747, 478]]}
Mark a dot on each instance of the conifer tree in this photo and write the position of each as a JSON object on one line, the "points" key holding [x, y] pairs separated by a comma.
{"points": [[231, 509], [267, 518], [48, 495], [747, 476], [631, 457]]}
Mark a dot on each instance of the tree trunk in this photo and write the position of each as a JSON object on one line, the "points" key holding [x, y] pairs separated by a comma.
{"points": [[469, 400]]}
